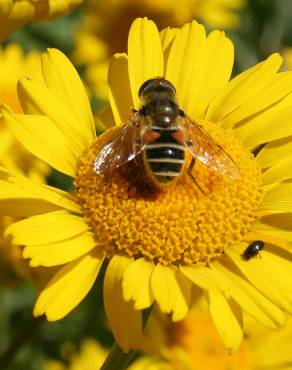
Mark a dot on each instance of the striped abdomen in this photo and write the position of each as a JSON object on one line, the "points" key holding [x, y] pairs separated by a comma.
{"points": [[165, 156]]}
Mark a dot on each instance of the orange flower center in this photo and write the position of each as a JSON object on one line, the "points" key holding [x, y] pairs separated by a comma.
{"points": [[176, 223]]}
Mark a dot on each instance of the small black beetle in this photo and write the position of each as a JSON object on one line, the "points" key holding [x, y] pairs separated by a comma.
{"points": [[253, 249]]}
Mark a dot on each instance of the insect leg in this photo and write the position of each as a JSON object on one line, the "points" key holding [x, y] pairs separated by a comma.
{"points": [[190, 169]]}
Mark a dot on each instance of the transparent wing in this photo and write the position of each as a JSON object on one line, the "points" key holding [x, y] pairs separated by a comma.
{"points": [[207, 151], [119, 147]]}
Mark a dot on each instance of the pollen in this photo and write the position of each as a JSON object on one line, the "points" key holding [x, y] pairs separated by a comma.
{"points": [[176, 223]]}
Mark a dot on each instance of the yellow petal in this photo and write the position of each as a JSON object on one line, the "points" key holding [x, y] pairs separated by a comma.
{"points": [[204, 277], [221, 12], [106, 117], [125, 322], [144, 54], [171, 290], [256, 235], [36, 98], [14, 15], [270, 274], [208, 75], [23, 207], [215, 72], [184, 64], [263, 129], [277, 88], [68, 287], [41, 136], [167, 36], [64, 82], [21, 197], [278, 225], [280, 171], [119, 89], [5, 7], [225, 321], [279, 198], [47, 228], [60, 252], [242, 88], [56, 9], [273, 151], [6, 141], [264, 350], [136, 283], [250, 299], [152, 363]]}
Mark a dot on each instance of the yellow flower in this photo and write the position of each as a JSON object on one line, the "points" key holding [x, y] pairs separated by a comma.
{"points": [[193, 343], [102, 18], [91, 356], [13, 65], [54, 365], [16, 13], [162, 247]]}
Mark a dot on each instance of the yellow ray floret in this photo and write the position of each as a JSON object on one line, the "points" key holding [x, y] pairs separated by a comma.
{"points": [[16, 13]]}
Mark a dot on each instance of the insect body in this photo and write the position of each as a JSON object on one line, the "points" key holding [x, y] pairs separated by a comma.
{"points": [[162, 132], [165, 156], [253, 249]]}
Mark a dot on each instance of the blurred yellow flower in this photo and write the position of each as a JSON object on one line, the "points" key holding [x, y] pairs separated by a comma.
{"points": [[13, 268], [54, 365], [193, 344], [164, 248], [13, 156], [103, 18], [13, 65], [16, 13], [91, 356]]}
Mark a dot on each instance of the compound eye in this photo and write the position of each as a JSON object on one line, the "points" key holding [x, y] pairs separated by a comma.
{"points": [[146, 86], [156, 84], [169, 86]]}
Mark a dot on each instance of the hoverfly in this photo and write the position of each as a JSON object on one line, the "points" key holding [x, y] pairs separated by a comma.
{"points": [[253, 249], [162, 132]]}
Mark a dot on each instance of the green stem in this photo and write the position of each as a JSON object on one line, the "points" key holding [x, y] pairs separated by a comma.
{"points": [[119, 360]]}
